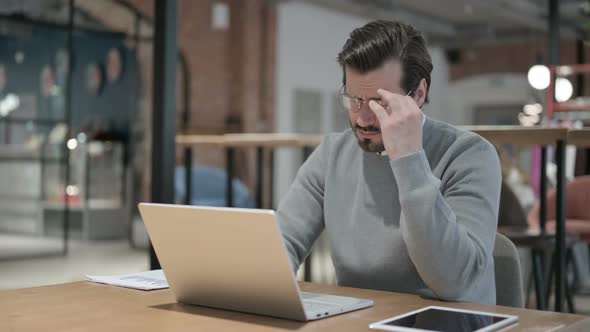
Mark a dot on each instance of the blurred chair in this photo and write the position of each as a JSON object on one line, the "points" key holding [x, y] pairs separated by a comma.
{"points": [[512, 222], [577, 221], [507, 273], [577, 224], [511, 213], [208, 188], [577, 209]]}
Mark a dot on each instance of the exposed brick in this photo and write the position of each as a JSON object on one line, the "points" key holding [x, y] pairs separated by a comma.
{"points": [[232, 73]]}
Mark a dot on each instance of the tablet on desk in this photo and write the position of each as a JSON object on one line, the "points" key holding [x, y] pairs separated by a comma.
{"points": [[442, 319]]}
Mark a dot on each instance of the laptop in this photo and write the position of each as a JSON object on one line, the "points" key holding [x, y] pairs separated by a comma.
{"points": [[233, 259]]}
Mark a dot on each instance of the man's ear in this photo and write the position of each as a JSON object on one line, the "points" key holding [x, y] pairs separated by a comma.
{"points": [[421, 92]]}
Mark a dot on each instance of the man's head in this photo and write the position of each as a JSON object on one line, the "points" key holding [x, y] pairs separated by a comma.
{"points": [[382, 55]]}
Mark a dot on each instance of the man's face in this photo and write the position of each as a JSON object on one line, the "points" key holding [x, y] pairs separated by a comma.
{"points": [[363, 122]]}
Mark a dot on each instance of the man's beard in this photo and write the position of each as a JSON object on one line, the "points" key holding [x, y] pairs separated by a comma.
{"points": [[365, 143]]}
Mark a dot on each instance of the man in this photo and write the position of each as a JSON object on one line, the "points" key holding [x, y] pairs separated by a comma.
{"points": [[414, 209]]}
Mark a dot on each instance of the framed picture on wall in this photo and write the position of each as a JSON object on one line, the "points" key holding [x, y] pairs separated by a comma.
{"points": [[2, 77], [115, 64], [94, 79], [46, 80], [62, 60]]}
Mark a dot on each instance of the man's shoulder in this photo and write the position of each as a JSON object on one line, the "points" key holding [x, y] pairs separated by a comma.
{"points": [[451, 133], [446, 131], [339, 140], [455, 153], [445, 138], [339, 147]]}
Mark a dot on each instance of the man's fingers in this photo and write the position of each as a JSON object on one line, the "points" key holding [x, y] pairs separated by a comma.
{"points": [[386, 94], [379, 111], [393, 101]]}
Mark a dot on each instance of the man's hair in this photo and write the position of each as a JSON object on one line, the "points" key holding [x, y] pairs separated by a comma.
{"points": [[377, 42]]}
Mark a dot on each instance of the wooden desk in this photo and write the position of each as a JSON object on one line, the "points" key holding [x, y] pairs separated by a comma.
{"points": [[85, 306]]}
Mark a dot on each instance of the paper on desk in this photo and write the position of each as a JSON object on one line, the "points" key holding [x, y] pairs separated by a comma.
{"points": [[148, 280]]}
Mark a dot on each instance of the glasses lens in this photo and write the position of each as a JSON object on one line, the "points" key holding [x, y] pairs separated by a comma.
{"points": [[345, 101]]}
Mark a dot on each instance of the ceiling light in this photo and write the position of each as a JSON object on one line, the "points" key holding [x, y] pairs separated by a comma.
{"points": [[563, 89], [539, 77]]}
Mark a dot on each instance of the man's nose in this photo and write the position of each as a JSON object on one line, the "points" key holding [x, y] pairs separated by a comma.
{"points": [[366, 116]]}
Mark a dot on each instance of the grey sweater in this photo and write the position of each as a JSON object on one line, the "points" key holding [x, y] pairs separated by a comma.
{"points": [[423, 224]]}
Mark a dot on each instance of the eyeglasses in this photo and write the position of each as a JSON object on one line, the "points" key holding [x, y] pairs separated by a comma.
{"points": [[355, 104]]}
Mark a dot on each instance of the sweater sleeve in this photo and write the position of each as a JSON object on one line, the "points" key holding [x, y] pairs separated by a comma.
{"points": [[449, 227], [301, 211]]}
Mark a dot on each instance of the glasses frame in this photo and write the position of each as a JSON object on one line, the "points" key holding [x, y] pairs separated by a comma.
{"points": [[359, 102]]}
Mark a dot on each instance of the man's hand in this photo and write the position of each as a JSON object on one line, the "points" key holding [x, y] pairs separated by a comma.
{"points": [[401, 123]]}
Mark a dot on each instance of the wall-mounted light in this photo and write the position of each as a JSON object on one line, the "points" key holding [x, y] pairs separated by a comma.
{"points": [[19, 57], [8, 104], [220, 16], [82, 137], [72, 143], [528, 120], [533, 109], [530, 115], [72, 190]]}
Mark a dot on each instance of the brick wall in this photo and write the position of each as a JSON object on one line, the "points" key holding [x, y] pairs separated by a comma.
{"points": [[232, 71], [511, 58], [232, 74]]}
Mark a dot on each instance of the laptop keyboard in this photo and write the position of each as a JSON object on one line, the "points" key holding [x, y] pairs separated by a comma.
{"points": [[313, 306]]}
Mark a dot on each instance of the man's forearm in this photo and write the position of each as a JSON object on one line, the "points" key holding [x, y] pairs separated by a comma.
{"points": [[449, 239]]}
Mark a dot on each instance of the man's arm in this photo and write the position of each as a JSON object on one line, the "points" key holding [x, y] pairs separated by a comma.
{"points": [[450, 235], [301, 211]]}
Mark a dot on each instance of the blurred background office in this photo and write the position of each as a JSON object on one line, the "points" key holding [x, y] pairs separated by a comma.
{"points": [[78, 87]]}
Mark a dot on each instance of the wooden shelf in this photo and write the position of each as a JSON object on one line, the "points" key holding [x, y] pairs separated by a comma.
{"points": [[496, 134], [572, 107], [250, 140], [519, 135], [41, 122], [567, 70], [579, 137], [273, 140], [93, 204], [202, 140]]}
